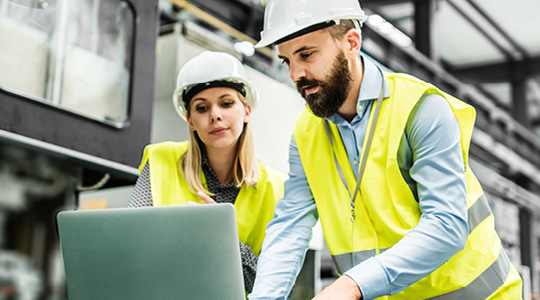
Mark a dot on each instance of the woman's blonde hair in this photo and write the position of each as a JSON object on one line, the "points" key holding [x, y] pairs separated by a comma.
{"points": [[245, 166]]}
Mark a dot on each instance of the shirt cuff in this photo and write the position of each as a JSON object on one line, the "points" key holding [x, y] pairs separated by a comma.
{"points": [[370, 278]]}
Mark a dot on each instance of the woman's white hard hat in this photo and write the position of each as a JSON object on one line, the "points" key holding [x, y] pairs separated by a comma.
{"points": [[211, 69], [285, 18]]}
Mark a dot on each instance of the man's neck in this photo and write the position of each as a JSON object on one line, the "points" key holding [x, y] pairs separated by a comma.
{"points": [[348, 109]]}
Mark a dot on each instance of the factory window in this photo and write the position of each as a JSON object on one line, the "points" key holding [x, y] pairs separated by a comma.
{"points": [[74, 55]]}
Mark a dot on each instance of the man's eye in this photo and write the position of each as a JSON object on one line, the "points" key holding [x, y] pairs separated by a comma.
{"points": [[305, 55]]}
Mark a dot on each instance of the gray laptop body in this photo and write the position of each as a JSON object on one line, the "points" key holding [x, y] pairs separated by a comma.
{"points": [[174, 252]]}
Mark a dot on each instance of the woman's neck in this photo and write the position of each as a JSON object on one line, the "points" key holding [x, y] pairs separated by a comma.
{"points": [[221, 161]]}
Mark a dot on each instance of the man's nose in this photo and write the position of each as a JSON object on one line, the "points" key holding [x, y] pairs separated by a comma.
{"points": [[296, 72]]}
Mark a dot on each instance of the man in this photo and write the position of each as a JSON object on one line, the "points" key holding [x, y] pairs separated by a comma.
{"points": [[418, 225]]}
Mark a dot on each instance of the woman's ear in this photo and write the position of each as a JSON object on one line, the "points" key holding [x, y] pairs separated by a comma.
{"points": [[191, 127], [248, 113]]}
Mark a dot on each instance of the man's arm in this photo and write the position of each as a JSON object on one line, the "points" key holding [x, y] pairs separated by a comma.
{"points": [[287, 235], [437, 167]]}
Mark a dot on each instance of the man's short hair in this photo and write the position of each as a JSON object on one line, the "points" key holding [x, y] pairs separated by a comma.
{"points": [[339, 30]]}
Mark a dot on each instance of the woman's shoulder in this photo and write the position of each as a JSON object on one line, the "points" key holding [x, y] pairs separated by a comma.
{"points": [[269, 185], [168, 146], [164, 152], [269, 174]]}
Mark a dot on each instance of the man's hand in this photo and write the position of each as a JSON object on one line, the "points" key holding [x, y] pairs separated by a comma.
{"points": [[344, 288]]}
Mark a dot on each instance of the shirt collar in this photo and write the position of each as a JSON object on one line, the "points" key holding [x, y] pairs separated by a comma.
{"points": [[371, 82]]}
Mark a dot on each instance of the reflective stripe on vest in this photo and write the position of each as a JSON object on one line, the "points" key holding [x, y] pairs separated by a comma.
{"points": [[485, 284], [480, 288], [346, 261], [477, 213]]}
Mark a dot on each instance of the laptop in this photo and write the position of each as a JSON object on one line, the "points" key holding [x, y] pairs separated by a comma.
{"points": [[173, 252]]}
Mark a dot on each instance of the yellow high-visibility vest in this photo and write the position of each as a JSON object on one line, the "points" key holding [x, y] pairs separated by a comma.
{"points": [[254, 205], [386, 208]]}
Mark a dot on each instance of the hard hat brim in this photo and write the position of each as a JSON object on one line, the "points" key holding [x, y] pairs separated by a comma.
{"points": [[251, 95]]}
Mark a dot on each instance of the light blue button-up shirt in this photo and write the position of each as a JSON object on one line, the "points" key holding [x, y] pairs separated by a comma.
{"points": [[431, 162]]}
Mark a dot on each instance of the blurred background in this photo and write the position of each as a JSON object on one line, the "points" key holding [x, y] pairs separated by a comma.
{"points": [[86, 84]]}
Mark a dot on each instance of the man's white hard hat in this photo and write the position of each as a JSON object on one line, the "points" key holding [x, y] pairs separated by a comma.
{"points": [[211, 69], [284, 19]]}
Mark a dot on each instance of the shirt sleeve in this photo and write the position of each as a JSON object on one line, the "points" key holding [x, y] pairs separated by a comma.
{"points": [[287, 235], [249, 266], [141, 196], [433, 136]]}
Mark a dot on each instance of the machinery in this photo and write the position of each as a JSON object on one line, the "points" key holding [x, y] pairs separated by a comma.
{"points": [[76, 92], [86, 84]]}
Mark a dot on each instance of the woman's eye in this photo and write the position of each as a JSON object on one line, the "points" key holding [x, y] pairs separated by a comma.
{"points": [[201, 108], [227, 103]]}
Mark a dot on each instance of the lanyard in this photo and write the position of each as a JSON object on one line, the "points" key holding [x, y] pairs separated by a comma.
{"points": [[364, 152]]}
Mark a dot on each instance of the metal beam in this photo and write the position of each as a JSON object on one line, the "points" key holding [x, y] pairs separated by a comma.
{"points": [[519, 102], [243, 16], [423, 16], [219, 23], [498, 72], [475, 24], [499, 29], [525, 237]]}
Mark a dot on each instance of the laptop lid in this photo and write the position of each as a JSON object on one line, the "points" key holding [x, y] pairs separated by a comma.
{"points": [[174, 252]]}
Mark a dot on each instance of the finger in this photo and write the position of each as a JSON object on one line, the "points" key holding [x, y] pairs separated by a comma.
{"points": [[205, 198]]}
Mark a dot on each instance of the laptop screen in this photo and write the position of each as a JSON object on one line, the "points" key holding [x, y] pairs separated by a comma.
{"points": [[174, 252]]}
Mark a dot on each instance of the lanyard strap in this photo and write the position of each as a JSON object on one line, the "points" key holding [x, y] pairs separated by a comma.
{"points": [[364, 152]]}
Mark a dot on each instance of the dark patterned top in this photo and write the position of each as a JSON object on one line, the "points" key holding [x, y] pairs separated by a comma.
{"points": [[142, 197]]}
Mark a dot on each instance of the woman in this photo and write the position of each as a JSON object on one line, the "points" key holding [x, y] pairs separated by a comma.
{"points": [[218, 164]]}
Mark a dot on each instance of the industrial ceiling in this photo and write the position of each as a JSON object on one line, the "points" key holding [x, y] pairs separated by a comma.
{"points": [[492, 44], [484, 52]]}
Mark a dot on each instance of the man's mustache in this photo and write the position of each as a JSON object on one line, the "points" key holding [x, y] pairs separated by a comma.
{"points": [[304, 82]]}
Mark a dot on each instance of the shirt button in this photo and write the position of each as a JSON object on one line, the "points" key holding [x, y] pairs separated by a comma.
{"points": [[355, 162]]}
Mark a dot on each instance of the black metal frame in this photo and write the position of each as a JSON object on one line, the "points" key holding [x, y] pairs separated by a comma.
{"points": [[39, 124]]}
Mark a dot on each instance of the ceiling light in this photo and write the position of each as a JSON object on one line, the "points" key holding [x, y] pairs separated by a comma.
{"points": [[390, 31]]}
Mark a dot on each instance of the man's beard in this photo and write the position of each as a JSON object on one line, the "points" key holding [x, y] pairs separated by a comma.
{"points": [[333, 91]]}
